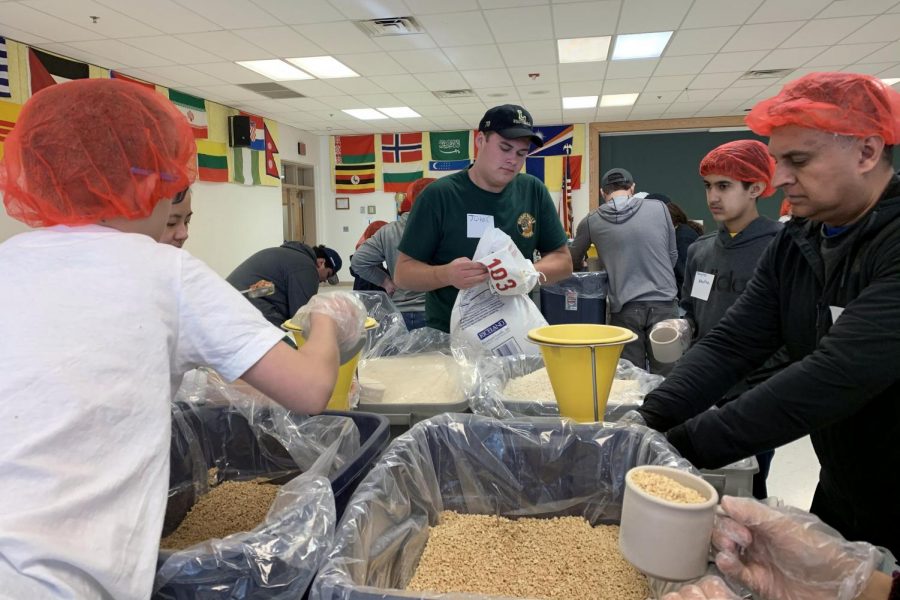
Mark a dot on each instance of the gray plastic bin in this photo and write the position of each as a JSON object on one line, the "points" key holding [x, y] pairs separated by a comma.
{"points": [[580, 298]]}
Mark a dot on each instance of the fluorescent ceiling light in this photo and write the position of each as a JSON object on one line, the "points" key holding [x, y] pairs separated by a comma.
{"points": [[641, 45], [891, 80], [580, 102], [400, 112], [324, 67], [618, 99], [590, 49], [275, 69], [366, 114]]}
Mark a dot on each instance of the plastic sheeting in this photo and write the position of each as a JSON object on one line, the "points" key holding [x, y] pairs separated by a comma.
{"points": [[245, 435], [492, 374], [473, 464]]}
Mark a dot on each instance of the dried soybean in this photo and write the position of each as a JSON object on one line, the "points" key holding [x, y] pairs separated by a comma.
{"points": [[666, 488]]}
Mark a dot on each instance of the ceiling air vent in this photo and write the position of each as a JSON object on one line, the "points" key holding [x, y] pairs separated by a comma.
{"points": [[444, 94], [766, 74], [271, 90], [390, 26]]}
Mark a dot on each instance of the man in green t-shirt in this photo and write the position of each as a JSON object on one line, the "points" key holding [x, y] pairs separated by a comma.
{"points": [[451, 214]]}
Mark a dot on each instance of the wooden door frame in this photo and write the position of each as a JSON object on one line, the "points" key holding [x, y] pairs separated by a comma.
{"points": [[595, 129]]}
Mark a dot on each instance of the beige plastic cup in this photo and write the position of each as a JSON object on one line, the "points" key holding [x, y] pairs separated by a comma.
{"points": [[666, 344], [664, 539]]}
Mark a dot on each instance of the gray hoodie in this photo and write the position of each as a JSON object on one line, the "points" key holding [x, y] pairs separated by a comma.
{"points": [[383, 248], [635, 239]]}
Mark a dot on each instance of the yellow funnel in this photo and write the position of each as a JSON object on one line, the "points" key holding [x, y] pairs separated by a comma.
{"points": [[340, 397], [581, 361]]}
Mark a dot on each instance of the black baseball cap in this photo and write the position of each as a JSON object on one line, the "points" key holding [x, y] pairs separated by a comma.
{"points": [[511, 121], [616, 176], [332, 261]]}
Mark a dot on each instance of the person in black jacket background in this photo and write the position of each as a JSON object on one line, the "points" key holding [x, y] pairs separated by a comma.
{"points": [[828, 289], [686, 233]]}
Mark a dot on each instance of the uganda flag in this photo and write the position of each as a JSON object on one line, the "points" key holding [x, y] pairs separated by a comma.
{"points": [[354, 164], [354, 179]]}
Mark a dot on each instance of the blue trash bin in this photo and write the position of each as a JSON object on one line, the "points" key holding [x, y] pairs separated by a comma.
{"points": [[580, 298]]}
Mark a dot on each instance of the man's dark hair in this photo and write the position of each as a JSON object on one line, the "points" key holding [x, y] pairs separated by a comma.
{"points": [[614, 187]]}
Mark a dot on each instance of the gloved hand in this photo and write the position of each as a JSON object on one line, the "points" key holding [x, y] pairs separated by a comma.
{"points": [[677, 328], [633, 417], [788, 553], [708, 588], [349, 316]]}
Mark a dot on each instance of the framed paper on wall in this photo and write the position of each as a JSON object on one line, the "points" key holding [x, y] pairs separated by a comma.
{"points": [[371, 209], [342, 203]]}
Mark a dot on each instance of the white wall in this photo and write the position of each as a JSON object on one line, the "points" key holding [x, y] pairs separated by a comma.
{"points": [[9, 226]]}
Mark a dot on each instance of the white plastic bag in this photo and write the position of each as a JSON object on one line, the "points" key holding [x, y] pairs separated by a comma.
{"points": [[498, 314]]}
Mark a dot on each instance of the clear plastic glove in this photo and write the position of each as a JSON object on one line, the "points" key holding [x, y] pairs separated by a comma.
{"points": [[670, 339], [349, 316], [633, 417], [708, 588], [788, 553]]}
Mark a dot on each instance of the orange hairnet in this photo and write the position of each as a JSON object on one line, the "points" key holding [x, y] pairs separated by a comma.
{"points": [[785, 208], [370, 231], [94, 149], [744, 160], [843, 103], [414, 189]]}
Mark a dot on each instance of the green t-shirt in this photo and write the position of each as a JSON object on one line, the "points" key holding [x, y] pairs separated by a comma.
{"points": [[436, 232]]}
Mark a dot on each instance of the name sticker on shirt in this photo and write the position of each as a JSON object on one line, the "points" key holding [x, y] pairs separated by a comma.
{"points": [[476, 225], [702, 285], [836, 312]]}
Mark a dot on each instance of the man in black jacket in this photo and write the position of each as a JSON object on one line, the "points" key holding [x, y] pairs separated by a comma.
{"points": [[828, 289]]}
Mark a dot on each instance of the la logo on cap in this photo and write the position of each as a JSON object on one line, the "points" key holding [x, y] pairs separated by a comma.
{"points": [[521, 120]]}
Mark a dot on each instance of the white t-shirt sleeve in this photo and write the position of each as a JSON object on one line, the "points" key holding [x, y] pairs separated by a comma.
{"points": [[217, 326]]}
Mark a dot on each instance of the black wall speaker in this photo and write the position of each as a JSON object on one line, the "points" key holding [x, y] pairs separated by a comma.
{"points": [[239, 131]]}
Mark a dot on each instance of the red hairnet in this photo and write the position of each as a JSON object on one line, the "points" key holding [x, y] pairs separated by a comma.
{"points": [[414, 189], [94, 149], [785, 208], [370, 231], [843, 103], [744, 160]]}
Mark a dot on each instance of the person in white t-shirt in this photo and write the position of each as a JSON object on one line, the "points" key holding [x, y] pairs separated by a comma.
{"points": [[100, 322]]}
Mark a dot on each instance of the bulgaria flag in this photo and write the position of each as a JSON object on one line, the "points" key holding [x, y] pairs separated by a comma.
{"points": [[194, 109]]}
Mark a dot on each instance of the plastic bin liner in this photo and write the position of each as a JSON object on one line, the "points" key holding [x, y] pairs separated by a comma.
{"points": [[593, 285], [539, 467], [380, 307], [251, 436], [492, 374], [580, 298]]}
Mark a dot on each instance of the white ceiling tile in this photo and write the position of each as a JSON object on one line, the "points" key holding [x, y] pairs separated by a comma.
{"points": [[547, 74], [815, 32], [183, 75], [428, 7], [882, 29], [667, 83], [888, 53], [33, 21], [722, 106], [475, 110], [733, 61], [163, 15], [603, 114], [699, 41], [776, 11], [624, 86], [126, 54], [338, 38], [231, 14], [758, 81], [868, 68], [585, 19], [231, 72], [760, 37], [111, 23], [891, 72], [435, 110], [697, 95], [22, 36], [393, 43], [657, 98], [228, 93], [547, 116], [173, 49], [282, 41], [457, 29], [487, 77], [582, 71], [714, 80], [343, 102], [849, 8], [423, 61], [270, 105], [418, 99], [523, 54], [639, 67], [642, 16], [538, 91], [312, 87], [355, 85], [489, 4], [372, 63], [581, 88], [450, 80], [736, 93], [308, 104], [227, 45], [714, 111], [291, 12], [521, 23], [366, 9], [641, 113], [398, 83], [712, 13], [682, 65], [475, 57], [788, 58], [533, 103], [376, 100], [507, 94]]}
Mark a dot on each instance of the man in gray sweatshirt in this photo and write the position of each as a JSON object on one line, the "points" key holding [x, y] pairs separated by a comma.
{"points": [[383, 247], [635, 239]]}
